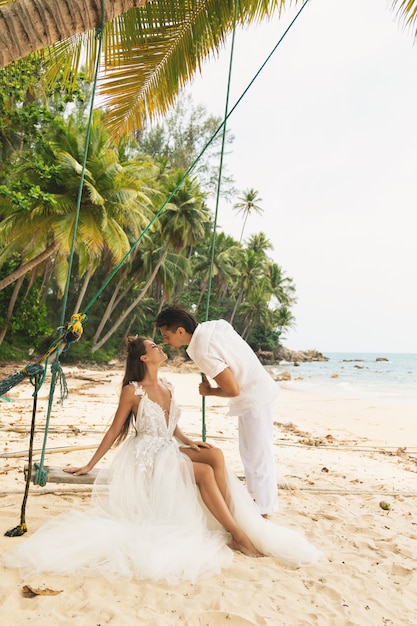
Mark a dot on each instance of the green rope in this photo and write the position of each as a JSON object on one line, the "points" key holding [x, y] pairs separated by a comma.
{"points": [[19, 530], [216, 212], [40, 477], [223, 125], [190, 169], [30, 370], [99, 35], [70, 332]]}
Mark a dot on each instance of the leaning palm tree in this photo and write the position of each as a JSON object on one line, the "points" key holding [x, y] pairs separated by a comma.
{"points": [[247, 205], [151, 49], [149, 52], [62, 22]]}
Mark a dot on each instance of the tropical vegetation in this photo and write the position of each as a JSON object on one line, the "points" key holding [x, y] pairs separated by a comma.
{"points": [[127, 256], [78, 228]]}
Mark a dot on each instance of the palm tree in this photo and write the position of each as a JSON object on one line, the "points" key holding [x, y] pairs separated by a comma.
{"points": [[250, 266], [151, 49], [149, 52], [27, 266], [23, 19], [259, 243], [182, 221], [222, 265], [179, 225], [247, 205], [10, 308], [281, 287], [113, 204], [255, 309], [283, 318]]}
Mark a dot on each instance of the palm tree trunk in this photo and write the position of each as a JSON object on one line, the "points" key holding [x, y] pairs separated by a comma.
{"points": [[238, 301], [246, 330], [10, 308], [130, 308], [27, 267], [243, 227], [83, 289], [132, 321], [30, 25], [203, 290], [111, 305], [161, 304]]}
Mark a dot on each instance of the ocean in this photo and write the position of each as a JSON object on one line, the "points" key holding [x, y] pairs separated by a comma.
{"points": [[357, 375]]}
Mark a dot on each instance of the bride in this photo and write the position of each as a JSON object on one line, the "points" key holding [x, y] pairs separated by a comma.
{"points": [[168, 508]]}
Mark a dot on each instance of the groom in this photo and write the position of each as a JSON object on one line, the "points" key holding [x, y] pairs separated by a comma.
{"points": [[221, 353]]}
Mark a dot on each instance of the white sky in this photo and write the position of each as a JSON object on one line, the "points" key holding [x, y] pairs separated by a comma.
{"points": [[327, 135]]}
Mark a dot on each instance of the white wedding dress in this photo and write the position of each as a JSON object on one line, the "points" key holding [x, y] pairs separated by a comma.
{"points": [[147, 519]]}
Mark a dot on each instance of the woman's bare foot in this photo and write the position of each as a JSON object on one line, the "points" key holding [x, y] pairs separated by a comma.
{"points": [[242, 543]]}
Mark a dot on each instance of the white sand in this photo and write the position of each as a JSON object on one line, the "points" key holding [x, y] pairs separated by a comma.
{"points": [[337, 459]]}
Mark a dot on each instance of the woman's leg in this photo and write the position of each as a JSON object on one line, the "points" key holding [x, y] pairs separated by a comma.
{"points": [[213, 499], [213, 457]]}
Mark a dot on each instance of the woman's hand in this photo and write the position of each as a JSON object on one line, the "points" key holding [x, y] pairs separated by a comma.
{"points": [[196, 445], [77, 471]]}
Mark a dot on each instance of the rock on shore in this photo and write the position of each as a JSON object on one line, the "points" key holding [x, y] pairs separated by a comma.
{"points": [[283, 354]]}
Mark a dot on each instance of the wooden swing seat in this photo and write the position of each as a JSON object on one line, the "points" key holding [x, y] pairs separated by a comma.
{"points": [[57, 475]]}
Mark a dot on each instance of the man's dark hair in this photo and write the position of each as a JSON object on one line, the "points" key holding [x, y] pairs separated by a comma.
{"points": [[175, 316]]}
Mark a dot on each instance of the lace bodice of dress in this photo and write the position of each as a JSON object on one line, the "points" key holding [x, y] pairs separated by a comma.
{"points": [[151, 419]]}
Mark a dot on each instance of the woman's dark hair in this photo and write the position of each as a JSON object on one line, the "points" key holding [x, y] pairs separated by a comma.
{"points": [[135, 370], [175, 316]]}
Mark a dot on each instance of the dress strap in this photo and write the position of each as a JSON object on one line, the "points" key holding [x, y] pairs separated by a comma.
{"points": [[167, 384], [139, 390]]}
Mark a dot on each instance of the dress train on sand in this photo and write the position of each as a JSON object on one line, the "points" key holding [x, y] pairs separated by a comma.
{"points": [[147, 520]]}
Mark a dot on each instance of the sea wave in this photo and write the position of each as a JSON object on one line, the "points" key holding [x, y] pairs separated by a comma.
{"points": [[361, 375]]}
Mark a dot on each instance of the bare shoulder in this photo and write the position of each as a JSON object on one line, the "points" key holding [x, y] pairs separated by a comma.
{"points": [[127, 394]]}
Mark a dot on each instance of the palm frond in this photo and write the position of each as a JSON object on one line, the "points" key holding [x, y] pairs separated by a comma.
{"points": [[406, 11], [153, 51], [149, 53]]}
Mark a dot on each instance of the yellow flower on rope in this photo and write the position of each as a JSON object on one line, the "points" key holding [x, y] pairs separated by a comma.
{"points": [[75, 327]]}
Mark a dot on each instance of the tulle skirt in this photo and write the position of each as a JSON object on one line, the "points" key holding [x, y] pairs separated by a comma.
{"points": [[147, 521]]}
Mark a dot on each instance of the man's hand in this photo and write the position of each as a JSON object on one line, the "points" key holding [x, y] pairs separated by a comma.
{"points": [[227, 385], [205, 388]]}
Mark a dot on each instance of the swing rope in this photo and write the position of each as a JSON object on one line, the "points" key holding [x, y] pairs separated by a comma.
{"points": [[19, 530], [73, 331], [216, 212], [193, 164], [221, 126]]}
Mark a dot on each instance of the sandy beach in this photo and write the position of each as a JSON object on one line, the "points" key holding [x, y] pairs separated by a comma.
{"points": [[337, 460]]}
